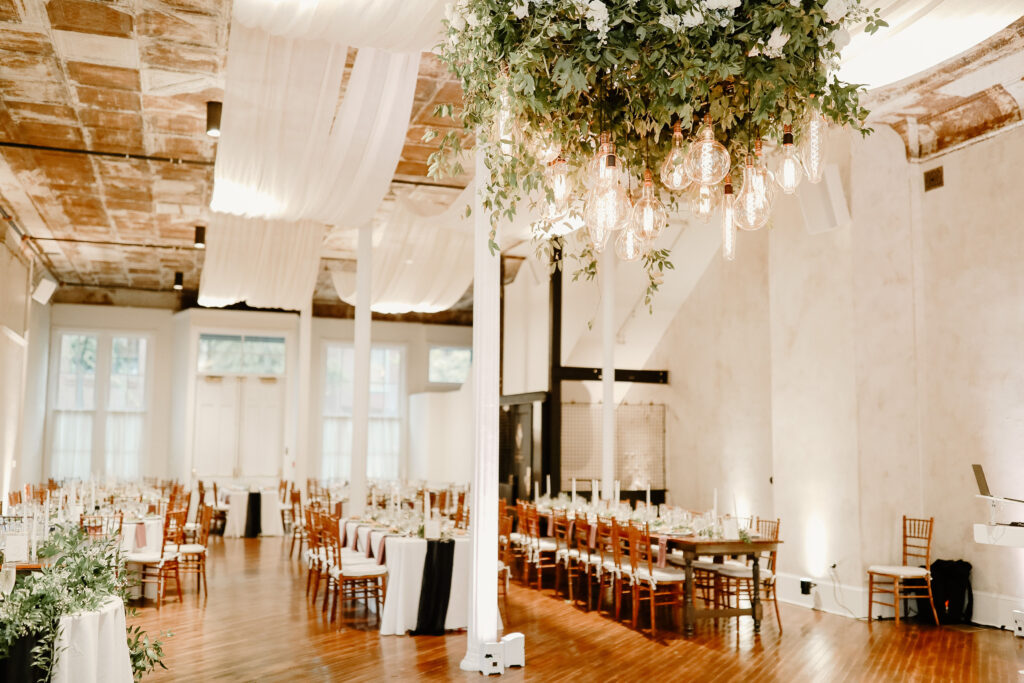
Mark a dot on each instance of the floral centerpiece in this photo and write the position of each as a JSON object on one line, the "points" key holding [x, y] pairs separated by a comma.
{"points": [[610, 109]]}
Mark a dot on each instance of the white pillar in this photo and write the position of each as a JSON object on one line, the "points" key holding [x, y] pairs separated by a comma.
{"points": [[608, 371], [483, 507], [297, 463], [361, 374]]}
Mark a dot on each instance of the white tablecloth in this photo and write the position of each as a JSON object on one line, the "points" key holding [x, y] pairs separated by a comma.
{"points": [[404, 558], [270, 513], [154, 535], [92, 647]]}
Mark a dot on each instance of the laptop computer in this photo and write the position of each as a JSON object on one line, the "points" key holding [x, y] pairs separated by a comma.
{"points": [[979, 476]]}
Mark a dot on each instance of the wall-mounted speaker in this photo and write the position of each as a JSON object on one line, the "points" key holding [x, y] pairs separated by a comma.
{"points": [[824, 205], [44, 290]]}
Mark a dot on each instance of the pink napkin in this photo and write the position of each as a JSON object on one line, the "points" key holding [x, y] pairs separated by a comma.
{"points": [[140, 535]]}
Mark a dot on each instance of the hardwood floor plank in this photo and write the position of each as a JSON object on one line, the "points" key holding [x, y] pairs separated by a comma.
{"points": [[257, 625]]}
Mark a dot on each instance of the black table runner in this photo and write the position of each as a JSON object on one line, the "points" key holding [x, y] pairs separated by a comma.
{"points": [[435, 589], [253, 514]]}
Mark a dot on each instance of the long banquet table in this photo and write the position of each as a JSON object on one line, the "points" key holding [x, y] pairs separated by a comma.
{"points": [[694, 547], [416, 589]]}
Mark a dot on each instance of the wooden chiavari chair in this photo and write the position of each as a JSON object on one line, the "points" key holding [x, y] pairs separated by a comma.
{"points": [[192, 556], [298, 530], [564, 550], [102, 527], [14, 498], [907, 581], [504, 558], [351, 579], [580, 564], [541, 549], [622, 551], [664, 586], [603, 561], [157, 567], [734, 580]]}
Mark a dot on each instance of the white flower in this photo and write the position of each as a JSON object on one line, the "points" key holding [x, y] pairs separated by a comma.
{"points": [[521, 9], [722, 4], [777, 40], [672, 22], [455, 17], [472, 19], [841, 38], [796, 3], [597, 18], [835, 10], [693, 18]]}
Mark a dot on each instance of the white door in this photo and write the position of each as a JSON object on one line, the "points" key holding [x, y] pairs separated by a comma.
{"points": [[217, 414], [261, 437]]}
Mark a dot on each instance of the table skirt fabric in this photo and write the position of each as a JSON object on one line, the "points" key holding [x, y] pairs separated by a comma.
{"points": [[93, 647], [252, 514], [406, 558]]}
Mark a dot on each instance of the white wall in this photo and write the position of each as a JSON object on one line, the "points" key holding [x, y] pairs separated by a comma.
{"points": [[14, 292], [33, 416], [444, 443]]}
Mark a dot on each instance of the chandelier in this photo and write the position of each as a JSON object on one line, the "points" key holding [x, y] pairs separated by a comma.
{"points": [[620, 113]]}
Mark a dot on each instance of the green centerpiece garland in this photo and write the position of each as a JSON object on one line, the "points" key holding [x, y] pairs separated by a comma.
{"points": [[553, 75]]}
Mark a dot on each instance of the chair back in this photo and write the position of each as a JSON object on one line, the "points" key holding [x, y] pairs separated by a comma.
{"points": [[640, 555], [174, 528], [917, 541], [620, 545], [560, 530], [605, 539], [100, 527], [14, 497], [504, 542], [533, 524], [581, 535], [204, 516]]}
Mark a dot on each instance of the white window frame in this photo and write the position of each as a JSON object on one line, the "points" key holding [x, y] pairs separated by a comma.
{"points": [[101, 394], [403, 430], [449, 346]]}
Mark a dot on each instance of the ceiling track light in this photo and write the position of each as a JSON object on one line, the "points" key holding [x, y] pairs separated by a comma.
{"points": [[200, 241], [213, 110], [179, 281]]}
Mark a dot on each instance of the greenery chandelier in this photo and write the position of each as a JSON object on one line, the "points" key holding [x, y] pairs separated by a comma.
{"points": [[611, 109]]}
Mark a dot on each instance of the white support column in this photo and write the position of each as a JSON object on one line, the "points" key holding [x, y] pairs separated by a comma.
{"points": [[297, 464], [361, 374], [483, 507], [608, 371]]}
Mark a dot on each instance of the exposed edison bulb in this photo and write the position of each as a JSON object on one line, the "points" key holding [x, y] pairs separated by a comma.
{"points": [[753, 203], [598, 238], [673, 169], [560, 184], [703, 201], [812, 145], [606, 210], [728, 221], [606, 166], [707, 162], [544, 147], [790, 172], [630, 245], [648, 216]]}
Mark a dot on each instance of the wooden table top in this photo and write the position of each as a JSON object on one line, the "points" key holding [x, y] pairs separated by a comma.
{"points": [[716, 546]]}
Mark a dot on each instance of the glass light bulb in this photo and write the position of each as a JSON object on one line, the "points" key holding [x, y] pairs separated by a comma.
{"points": [[728, 223], [707, 162], [607, 207], [673, 169], [630, 245], [703, 201], [812, 146], [606, 166], [789, 172], [560, 184], [648, 216], [544, 147], [753, 203]]}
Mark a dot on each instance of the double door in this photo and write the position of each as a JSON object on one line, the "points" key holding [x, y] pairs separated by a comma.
{"points": [[239, 427]]}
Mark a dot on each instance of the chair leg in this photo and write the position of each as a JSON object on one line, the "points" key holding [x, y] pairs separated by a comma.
{"points": [[202, 568], [775, 599], [654, 622], [931, 600], [871, 594], [896, 599], [617, 583], [635, 599]]}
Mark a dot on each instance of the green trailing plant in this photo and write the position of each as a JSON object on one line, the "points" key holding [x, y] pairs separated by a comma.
{"points": [[542, 73], [80, 576]]}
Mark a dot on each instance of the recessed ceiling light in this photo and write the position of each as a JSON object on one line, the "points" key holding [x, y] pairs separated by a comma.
{"points": [[179, 281], [200, 242]]}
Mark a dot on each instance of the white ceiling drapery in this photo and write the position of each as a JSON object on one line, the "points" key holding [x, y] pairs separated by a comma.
{"points": [[921, 34], [397, 25], [266, 264], [422, 262]]}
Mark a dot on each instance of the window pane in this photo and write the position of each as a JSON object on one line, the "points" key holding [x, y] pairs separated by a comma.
{"points": [[220, 353], [77, 372], [124, 444], [449, 364], [264, 355], [127, 374], [72, 445]]}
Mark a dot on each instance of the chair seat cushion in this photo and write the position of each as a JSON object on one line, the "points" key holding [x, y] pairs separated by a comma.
{"points": [[546, 545], [900, 571], [359, 571], [661, 575], [516, 537], [743, 572], [190, 549], [148, 558]]}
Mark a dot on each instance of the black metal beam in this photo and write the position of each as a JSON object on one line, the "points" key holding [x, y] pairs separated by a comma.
{"points": [[98, 153], [551, 453], [576, 374]]}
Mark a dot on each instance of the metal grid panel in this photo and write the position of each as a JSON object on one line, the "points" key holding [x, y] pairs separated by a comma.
{"points": [[639, 445]]}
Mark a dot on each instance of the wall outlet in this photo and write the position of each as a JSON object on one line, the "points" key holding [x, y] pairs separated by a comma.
{"points": [[1018, 623]]}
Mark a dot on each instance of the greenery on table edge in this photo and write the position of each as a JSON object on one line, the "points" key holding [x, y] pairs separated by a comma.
{"points": [[83, 575], [566, 70]]}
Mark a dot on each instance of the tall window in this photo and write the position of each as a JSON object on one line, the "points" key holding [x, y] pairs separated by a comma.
{"points": [[98, 405], [449, 364], [387, 414]]}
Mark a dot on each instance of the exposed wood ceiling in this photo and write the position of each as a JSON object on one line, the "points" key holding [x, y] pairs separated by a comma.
{"points": [[131, 77]]}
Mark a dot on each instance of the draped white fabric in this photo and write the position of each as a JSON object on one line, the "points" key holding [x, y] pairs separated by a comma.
{"points": [[288, 150], [421, 262], [399, 25], [922, 33], [267, 264]]}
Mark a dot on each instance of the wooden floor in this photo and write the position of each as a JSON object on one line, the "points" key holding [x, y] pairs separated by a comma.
{"points": [[257, 625]]}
